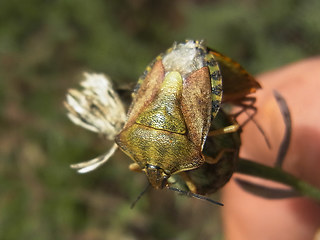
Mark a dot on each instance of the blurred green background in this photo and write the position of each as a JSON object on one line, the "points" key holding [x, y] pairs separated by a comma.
{"points": [[44, 48]]}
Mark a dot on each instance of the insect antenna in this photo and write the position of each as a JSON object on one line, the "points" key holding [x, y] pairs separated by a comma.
{"points": [[139, 196], [194, 195]]}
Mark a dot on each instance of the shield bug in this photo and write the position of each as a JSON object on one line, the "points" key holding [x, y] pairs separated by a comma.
{"points": [[174, 123], [173, 106], [171, 112]]}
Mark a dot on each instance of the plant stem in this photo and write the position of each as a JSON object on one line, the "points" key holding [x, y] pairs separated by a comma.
{"points": [[277, 174]]}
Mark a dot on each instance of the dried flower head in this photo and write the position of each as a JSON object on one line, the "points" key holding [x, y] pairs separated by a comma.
{"points": [[98, 108]]}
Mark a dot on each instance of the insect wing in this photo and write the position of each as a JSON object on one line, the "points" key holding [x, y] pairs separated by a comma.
{"points": [[237, 82], [147, 90], [196, 108]]}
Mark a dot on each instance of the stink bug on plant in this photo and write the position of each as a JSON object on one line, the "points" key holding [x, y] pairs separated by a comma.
{"points": [[169, 119], [175, 105]]}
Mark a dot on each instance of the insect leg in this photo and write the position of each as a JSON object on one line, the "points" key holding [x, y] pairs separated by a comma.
{"points": [[214, 160], [192, 187], [244, 109], [135, 167], [229, 129], [245, 104]]}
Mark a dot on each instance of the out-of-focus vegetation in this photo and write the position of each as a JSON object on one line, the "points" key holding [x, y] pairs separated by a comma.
{"points": [[46, 45]]}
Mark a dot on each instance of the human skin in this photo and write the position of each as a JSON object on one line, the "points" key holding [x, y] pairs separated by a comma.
{"points": [[246, 216]]}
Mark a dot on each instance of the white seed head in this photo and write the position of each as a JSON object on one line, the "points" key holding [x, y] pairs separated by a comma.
{"points": [[88, 166], [97, 107]]}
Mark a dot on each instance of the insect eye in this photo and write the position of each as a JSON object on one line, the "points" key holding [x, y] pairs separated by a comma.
{"points": [[150, 166]]}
